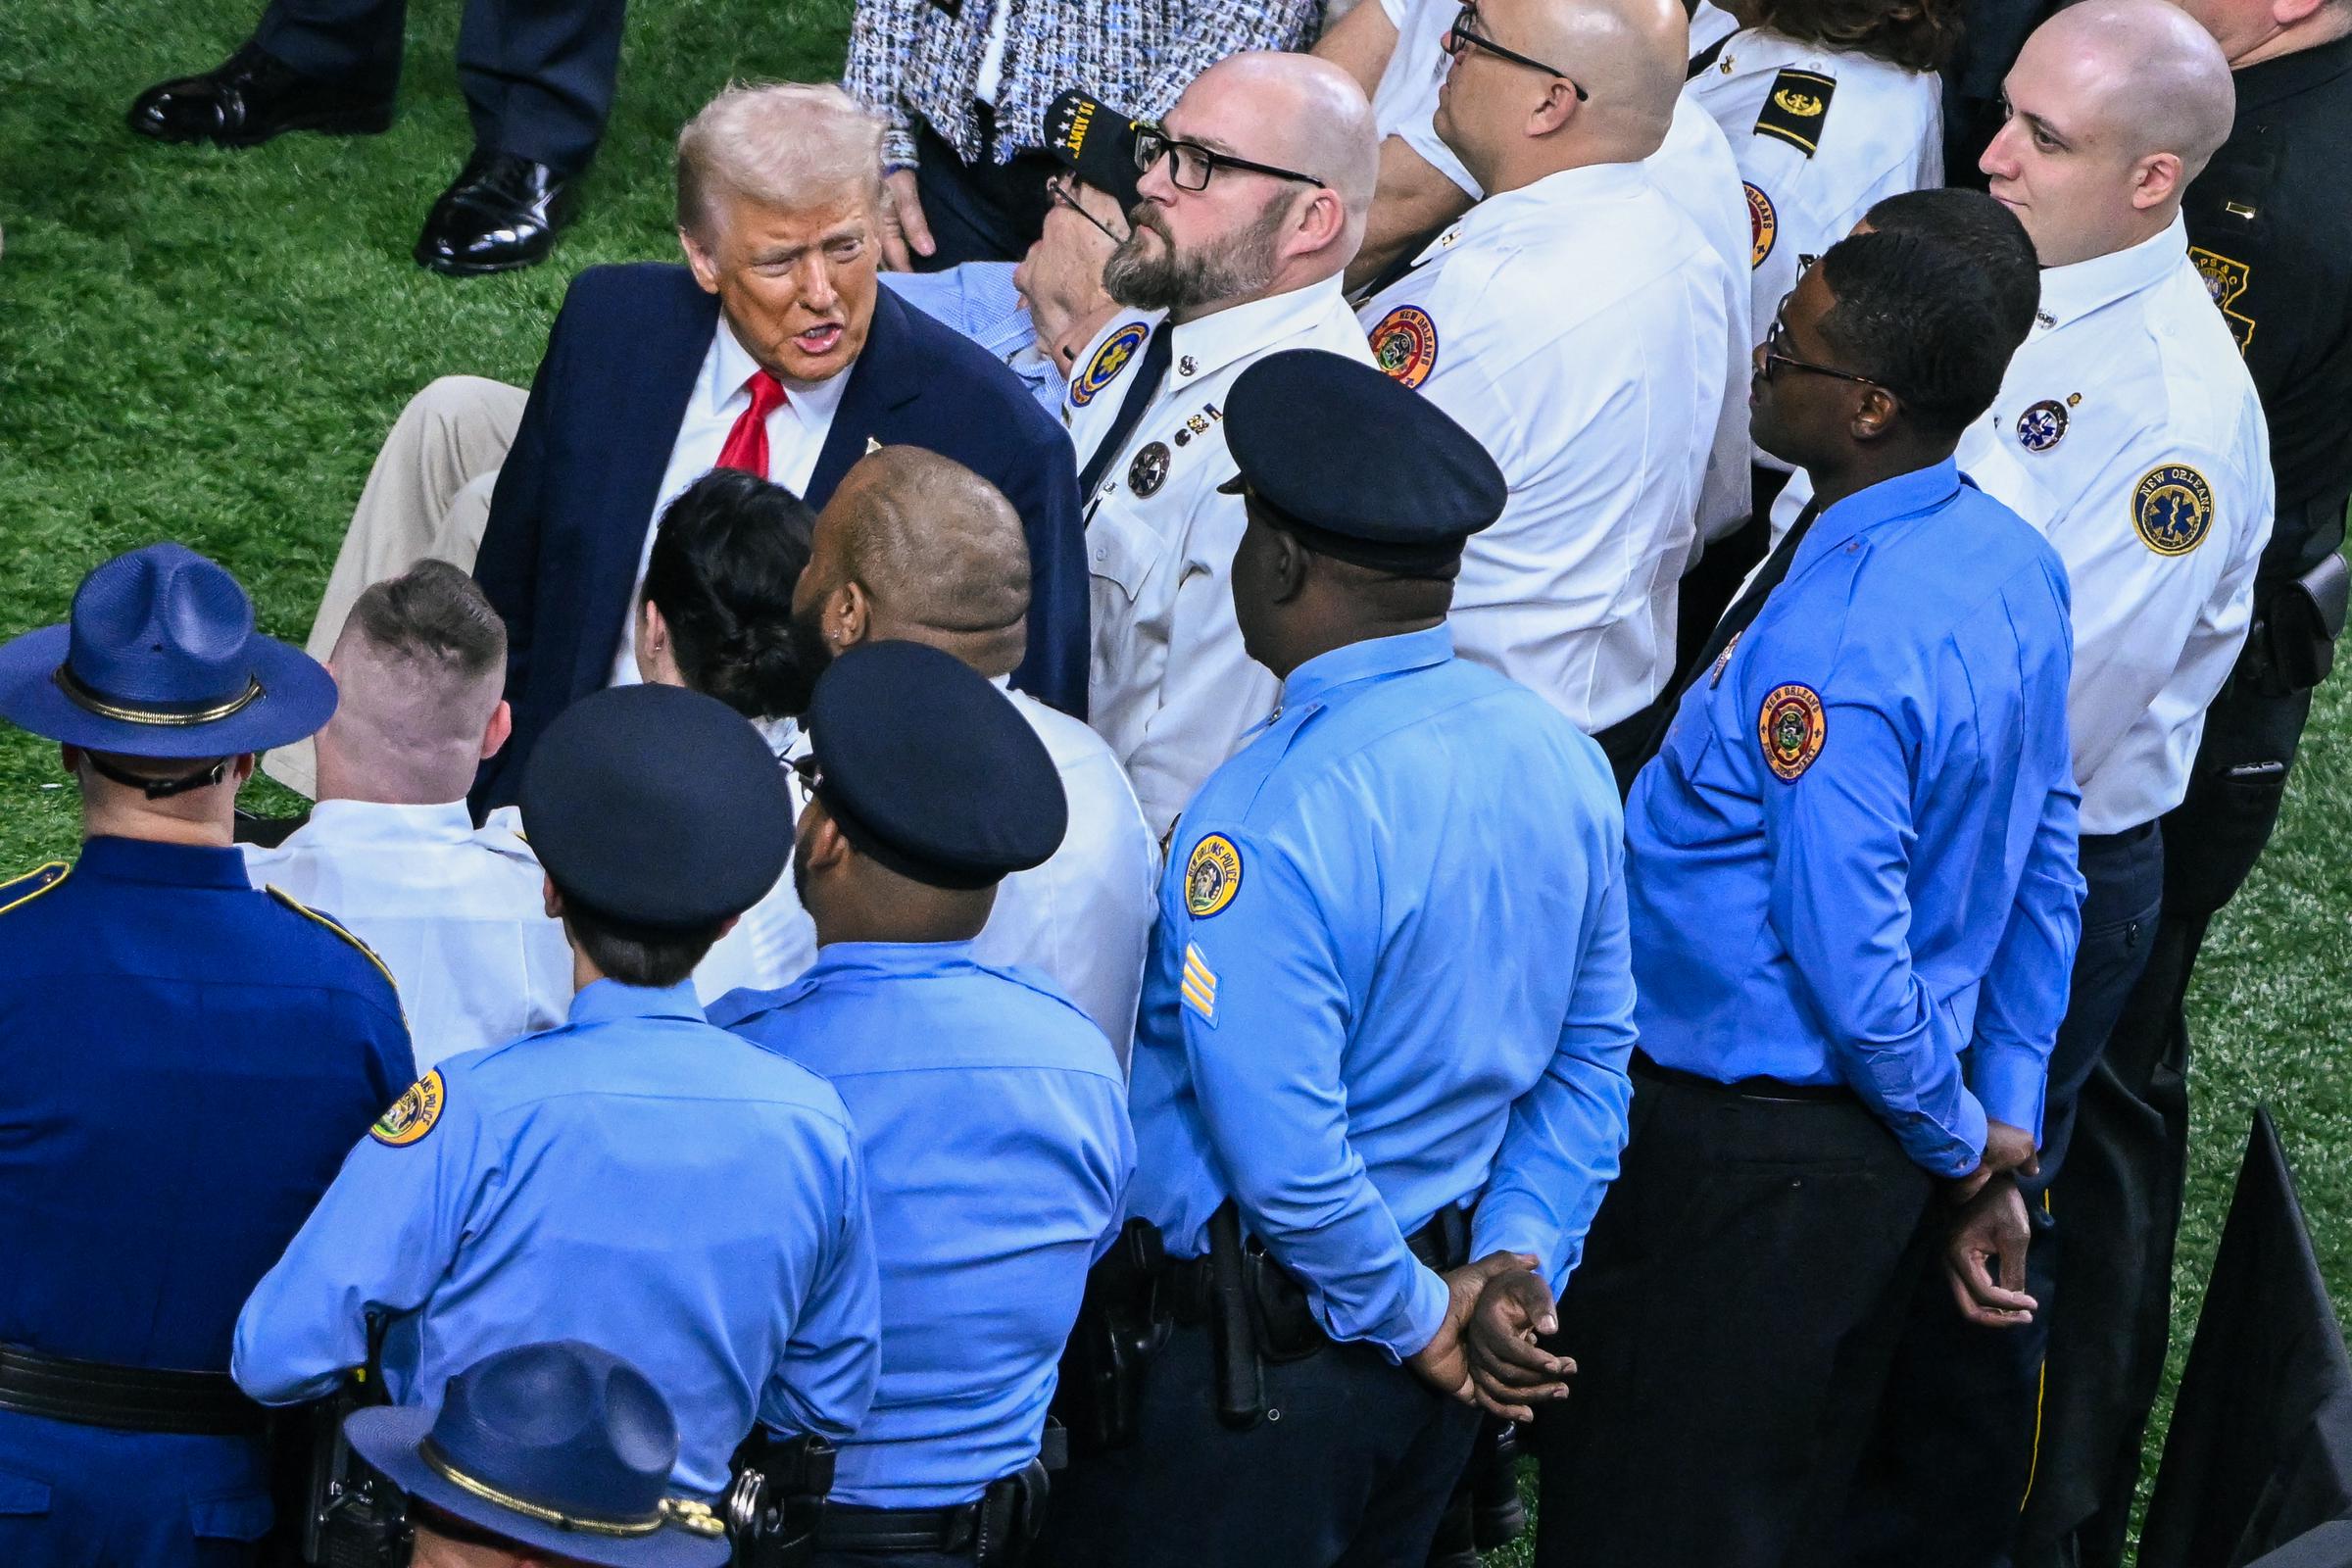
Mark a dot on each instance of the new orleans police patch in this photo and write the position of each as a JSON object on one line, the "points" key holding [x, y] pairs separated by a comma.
{"points": [[1763, 226], [2041, 427], [1149, 468], [1213, 876], [1405, 344], [2172, 508], [411, 1115], [1792, 727], [1109, 361]]}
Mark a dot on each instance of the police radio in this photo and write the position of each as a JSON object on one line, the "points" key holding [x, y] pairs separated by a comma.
{"points": [[356, 1518]]}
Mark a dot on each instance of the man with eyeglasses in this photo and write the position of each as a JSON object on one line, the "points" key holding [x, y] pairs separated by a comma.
{"points": [[1587, 396], [2129, 431], [1253, 196], [1852, 899]]}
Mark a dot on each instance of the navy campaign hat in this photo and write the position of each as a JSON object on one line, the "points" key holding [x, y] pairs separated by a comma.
{"points": [[560, 1445], [929, 770], [1096, 143], [160, 658], [1298, 424], [657, 808]]}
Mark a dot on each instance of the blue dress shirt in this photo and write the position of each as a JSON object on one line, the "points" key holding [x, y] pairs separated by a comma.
{"points": [[978, 300], [633, 1178], [995, 1126], [1389, 978], [1886, 898]]}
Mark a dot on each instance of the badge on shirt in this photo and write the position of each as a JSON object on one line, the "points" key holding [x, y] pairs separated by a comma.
{"points": [[2226, 279], [1213, 876], [1763, 226], [1792, 727], [1794, 108], [411, 1115], [2172, 508], [1405, 344], [1109, 361], [1200, 984], [2041, 427], [1150, 470]]}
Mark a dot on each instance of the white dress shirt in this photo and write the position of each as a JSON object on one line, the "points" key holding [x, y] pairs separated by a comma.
{"points": [[1597, 401], [2129, 384], [1879, 133], [1406, 96], [1169, 686], [1709, 22], [456, 913], [796, 436], [1084, 917], [1696, 169]]}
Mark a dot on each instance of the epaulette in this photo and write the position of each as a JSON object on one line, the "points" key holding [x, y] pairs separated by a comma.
{"points": [[21, 890], [1796, 107], [365, 951]]}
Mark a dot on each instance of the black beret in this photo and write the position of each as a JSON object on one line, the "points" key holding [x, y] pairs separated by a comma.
{"points": [[658, 806], [1097, 144], [1359, 465], [929, 770]]}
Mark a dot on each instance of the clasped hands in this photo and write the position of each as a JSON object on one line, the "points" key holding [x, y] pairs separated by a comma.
{"points": [[1485, 1352], [1989, 1225]]}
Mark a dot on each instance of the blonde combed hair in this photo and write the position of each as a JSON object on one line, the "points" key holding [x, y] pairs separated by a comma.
{"points": [[785, 144]]}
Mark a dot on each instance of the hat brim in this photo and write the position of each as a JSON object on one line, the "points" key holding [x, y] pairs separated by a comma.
{"points": [[298, 696], [387, 1437]]}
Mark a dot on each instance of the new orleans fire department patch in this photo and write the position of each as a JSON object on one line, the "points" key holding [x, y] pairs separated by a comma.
{"points": [[1405, 344], [1792, 729], [1763, 226]]}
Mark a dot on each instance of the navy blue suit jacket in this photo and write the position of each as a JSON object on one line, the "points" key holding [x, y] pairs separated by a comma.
{"points": [[567, 521]]}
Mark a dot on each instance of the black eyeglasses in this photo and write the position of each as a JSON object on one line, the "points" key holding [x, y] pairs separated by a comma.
{"points": [[1058, 190], [1191, 164], [1463, 35], [1773, 357], [805, 777]]}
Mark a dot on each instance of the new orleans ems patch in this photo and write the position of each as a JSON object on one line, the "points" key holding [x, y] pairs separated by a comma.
{"points": [[411, 1115], [1213, 876], [1792, 729], [1109, 361], [1405, 344], [2172, 509]]}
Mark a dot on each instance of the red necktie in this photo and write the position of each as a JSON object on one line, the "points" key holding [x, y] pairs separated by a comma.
{"points": [[746, 443]]}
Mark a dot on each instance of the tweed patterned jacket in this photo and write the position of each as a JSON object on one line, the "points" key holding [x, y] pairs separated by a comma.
{"points": [[919, 60]]}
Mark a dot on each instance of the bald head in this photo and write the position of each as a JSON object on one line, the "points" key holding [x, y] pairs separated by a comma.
{"points": [[2149, 76], [1512, 124], [1298, 113], [937, 551]]}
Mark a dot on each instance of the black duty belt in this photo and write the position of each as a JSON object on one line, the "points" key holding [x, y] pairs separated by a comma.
{"points": [[1745, 1088], [997, 1529], [124, 1399], [1188, 1283]]}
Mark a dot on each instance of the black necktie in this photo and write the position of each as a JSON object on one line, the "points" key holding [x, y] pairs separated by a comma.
{"points": [[1148, 377], [1735, 621]]}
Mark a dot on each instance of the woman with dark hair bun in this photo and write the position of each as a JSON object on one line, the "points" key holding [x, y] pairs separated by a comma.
{"points": [[715, 615]]}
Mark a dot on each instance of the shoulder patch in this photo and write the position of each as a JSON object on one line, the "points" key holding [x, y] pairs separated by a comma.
{"points": [[19, 890], [2172, 509], [2226, 279], [1200, 984], [1213, 876], [1405, 344], [1792, 729], [1796, 107], [1763, 224], [412, 1116], [308, 913], [1109, 361]]}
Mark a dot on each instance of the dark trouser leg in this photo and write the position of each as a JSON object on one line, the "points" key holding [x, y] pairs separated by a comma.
{"points": [[979, 212], [352, 42], [538, 76], [1732, 1322], [1956, 1447], [2124, 1183], [1351, 1466]]}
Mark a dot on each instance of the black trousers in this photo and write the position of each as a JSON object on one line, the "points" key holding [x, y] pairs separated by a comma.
{"points": [[1352, 1465], [537, 75], [2123, 1188], [979, 212], [1954, 1452], [1732, 1322]]}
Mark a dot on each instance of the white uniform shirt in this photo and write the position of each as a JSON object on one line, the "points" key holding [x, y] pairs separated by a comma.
{"points": [[1694, 168], [1084, 917], [796, 436], [1709, 25], [1591, 399], [2127, 431], [456, 913], [1875, 130], [1169, 687]]}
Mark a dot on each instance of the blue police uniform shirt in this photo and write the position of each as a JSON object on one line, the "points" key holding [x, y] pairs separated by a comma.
{"points": [[632, 1178], [184, 1061], [1389, 978], [1853, 861], [994, 1125]]}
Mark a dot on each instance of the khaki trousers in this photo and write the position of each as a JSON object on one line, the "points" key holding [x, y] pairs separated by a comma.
{"points": [[427, 497]]}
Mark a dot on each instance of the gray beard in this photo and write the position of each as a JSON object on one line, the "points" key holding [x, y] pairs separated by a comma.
{"points": [[1241, 264]]}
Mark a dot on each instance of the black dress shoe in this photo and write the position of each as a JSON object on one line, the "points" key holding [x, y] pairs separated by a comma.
{"points": [[500, 213], [250, 98]]}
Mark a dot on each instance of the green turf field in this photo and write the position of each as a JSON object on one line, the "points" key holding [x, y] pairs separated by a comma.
{"points": [[208, 345]]}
